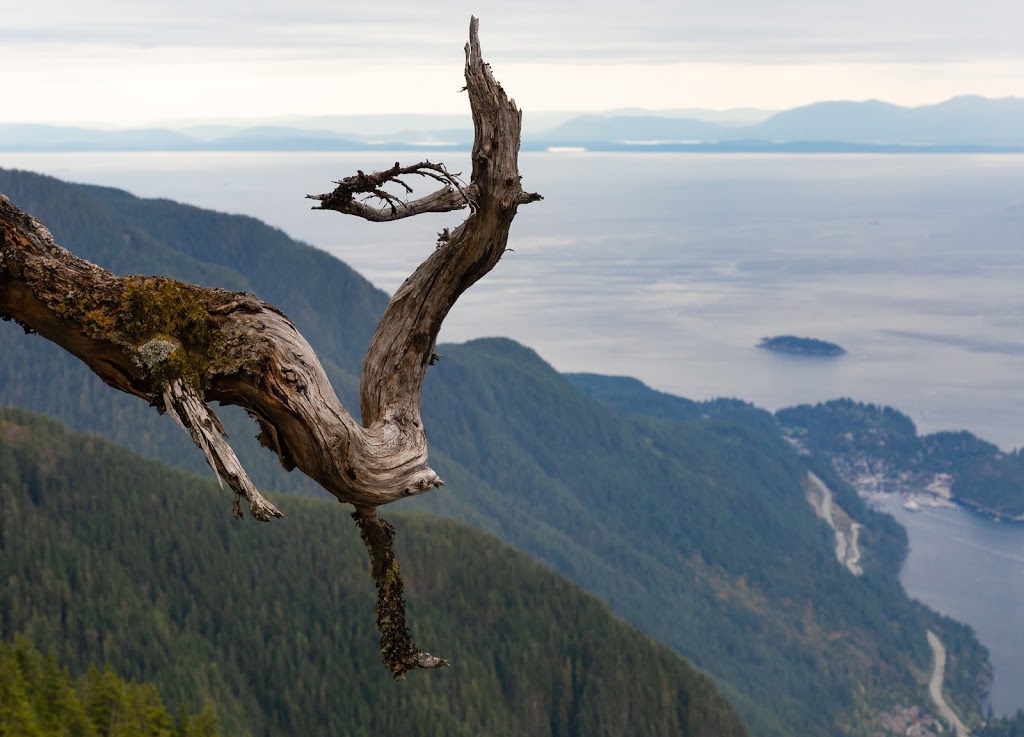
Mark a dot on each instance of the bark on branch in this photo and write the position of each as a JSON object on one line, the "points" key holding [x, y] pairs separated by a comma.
{"points": [[179, 346]]}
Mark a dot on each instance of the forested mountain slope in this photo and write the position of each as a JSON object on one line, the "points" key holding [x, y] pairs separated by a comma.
{"points": [[38, 698], [110, 558], [697, 530], [691, 520]]}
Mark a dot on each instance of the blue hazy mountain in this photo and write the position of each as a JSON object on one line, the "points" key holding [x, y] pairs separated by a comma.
{"points": [[620, 128], [31, 137], [961, 123], [961, 120]]}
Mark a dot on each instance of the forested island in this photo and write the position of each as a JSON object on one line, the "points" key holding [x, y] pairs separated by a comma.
{"points": [[800, 346]]}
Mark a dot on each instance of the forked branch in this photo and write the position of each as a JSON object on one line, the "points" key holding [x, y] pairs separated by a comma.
{"points": [[180, 346]]}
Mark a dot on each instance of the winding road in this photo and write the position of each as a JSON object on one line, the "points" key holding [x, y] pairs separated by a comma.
{"points": [[847, 549], [848, 553], [935, 686]]}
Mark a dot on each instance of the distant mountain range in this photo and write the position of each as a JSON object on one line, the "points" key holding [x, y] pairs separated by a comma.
{"points": [[968, 123]]}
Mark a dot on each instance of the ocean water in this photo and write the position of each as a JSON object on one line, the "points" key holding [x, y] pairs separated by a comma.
{"points": [[671, 267]]}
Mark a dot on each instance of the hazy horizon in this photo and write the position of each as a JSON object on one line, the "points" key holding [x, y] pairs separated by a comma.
{"points": [[533, 120], [964, 123]]}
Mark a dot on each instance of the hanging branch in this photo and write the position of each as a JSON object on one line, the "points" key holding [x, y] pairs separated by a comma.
{"points": [[180, 347]]}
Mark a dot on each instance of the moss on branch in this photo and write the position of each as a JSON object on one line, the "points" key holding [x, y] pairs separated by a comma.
{"points": [[155, 307], [397, 649]]}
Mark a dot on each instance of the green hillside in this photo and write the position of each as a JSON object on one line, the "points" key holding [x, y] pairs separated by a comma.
{"points": [[690, 520], [110, 558]]}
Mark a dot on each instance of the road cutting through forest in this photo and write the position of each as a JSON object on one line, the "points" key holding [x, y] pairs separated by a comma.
{"points": [[935, 686]]}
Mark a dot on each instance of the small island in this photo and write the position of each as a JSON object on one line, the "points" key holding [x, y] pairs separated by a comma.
{"points": [[800, 346]]}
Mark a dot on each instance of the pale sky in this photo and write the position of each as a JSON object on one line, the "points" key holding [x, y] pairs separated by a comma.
{"points": [[137, 62]]}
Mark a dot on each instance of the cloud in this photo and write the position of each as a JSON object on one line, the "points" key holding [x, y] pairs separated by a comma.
{"points": [[640, 31], [309, 57]]}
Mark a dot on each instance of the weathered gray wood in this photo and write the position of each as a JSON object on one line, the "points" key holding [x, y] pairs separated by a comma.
{"points": [[180, 346], [188, 409]]}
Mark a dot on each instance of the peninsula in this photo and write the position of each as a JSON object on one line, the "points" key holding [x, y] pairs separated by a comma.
{"points": [[800, 346]]}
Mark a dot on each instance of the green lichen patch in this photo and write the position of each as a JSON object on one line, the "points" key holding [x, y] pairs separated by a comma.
{"points": [[393, 574], [155, 312], [100, 321], [164, 324]]}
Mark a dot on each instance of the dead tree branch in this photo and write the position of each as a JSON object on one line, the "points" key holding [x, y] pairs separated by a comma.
{"points": [[397, 648], [453, 195], [180, 347]]}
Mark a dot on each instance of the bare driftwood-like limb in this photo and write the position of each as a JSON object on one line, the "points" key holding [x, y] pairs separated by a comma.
{"points": [[453, 195], [180, 346], [183, 403]]}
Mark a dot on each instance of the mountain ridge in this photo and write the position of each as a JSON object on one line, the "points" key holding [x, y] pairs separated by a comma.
{"points": [[963, 123]]}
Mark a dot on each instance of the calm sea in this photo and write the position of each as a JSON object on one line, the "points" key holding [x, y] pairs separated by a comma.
{"points": [[672, 267]]}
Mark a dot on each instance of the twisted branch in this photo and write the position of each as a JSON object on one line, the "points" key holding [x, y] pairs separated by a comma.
{"points": [[179, 346]]}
